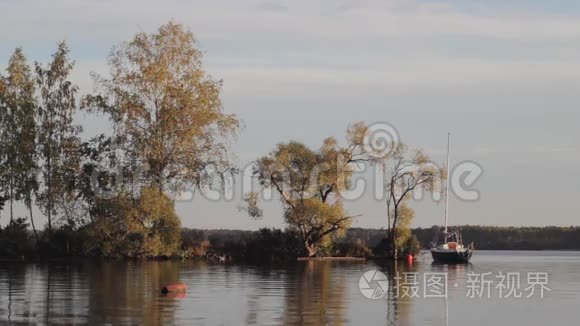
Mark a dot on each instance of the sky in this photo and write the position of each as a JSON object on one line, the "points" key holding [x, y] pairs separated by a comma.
{"points": [[502, 76]]}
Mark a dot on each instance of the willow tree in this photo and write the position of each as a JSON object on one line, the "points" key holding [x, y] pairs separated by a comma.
{"points": [[406, 171], [18, 134], [166, 110], [309, 184], [58, 140]]}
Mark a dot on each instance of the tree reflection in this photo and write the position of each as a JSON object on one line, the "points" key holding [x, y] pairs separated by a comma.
{"points": [[399, 297], [121, 291], [315, 295], [88, 293]]}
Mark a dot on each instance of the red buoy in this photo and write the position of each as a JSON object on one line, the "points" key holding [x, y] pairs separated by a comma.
{"points": [[175, 295], [176, 287]]}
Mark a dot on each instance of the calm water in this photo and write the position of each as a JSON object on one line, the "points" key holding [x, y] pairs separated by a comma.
{"points": [[313, 293]]}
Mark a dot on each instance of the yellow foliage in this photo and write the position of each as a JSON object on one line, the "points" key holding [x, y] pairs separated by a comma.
{"points": [[403, 228], [166, 107], [146, 227]]}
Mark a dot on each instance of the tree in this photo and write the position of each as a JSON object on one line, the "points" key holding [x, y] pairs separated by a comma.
{"points": [[153, 218], [308, 183], [166, 109], [405, 172], [403, 227], [57, 135], [18, 134], [143, 227], [98, 180], [3, 126]]}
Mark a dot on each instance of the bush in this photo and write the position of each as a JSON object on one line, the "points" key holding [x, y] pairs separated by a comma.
{"points": [[194, 250], [358, 248], [63, 242], [273, 245], [15, 240], [412, 246], [144, 228]]}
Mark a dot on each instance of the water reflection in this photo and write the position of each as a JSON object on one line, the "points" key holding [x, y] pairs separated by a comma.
{"points": [[306, 293], [132, 291], [456, 278], [315, 296], [94, 293], [398, 306], [311, 293]]}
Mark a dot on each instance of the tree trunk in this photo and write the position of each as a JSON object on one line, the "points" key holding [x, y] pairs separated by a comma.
{"points": [[394, 232], [32, 222], [11, 210], [160, 182], [311, 249], [11, 202], [49, 193], [393, 243]]}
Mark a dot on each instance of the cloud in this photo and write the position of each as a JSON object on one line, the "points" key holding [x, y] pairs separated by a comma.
{"points": [[404, 74], [329, 20], [293, 48]]}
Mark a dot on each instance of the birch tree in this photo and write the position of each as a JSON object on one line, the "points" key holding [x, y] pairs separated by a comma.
{"points": [[18, 134], [57, 135], [166, 109]]}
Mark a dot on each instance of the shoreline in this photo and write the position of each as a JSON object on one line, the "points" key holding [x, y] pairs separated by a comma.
{"points": [[202, 259]]}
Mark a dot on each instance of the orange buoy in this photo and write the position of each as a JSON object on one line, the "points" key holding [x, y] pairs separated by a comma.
{"points": [[176, 287], [175, 295]]}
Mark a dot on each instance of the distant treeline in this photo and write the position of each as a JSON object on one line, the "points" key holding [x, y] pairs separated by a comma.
{"points": [[489, 237], [512, 238], [366, 242], [275, 245]]}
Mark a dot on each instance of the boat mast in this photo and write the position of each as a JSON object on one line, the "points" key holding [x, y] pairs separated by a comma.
{"points": [[447, 182]]}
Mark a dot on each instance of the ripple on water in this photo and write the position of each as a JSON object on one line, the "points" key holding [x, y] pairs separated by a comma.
{"points": [[315, 293]]}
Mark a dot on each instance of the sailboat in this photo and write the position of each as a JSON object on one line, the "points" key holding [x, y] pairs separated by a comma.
{"points": [[452, 249]]}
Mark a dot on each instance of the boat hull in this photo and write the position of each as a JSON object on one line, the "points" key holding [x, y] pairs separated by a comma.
{"points": [[451, 257]]}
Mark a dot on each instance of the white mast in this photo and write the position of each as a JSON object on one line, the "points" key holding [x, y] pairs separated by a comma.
{"points": [[447, 181]]}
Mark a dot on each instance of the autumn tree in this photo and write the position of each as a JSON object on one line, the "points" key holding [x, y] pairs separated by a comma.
{"points": [[309, 184], [166, 110], [145, 227], [3, 125], [403, 227], [406, 171], [18, 134], [57, 135]]}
